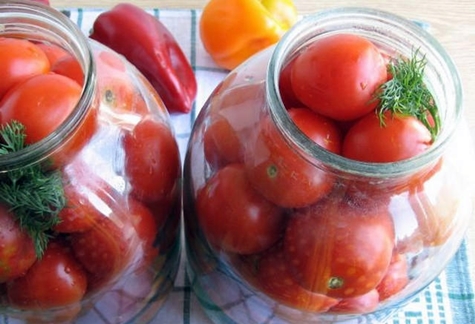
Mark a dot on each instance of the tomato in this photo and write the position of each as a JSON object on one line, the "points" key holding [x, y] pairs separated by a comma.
{"points": [[41, 104], [285, 87], [234, 217], [234, 115], [276, 280], [395, 279], [20, 59], [337, 76], [79, 214], [103, 251], [55, 280], [53, 52], [145, 225], [69, 66], [116, 89], [17, 253], [83, 189], [221, 143], [365, 303], [272, 165], [339, 248], [152, 160], [401, 137], [321, 130]]}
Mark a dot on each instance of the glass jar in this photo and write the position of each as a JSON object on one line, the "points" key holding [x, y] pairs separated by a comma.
{"points": [[113, 251], [281, 230]]}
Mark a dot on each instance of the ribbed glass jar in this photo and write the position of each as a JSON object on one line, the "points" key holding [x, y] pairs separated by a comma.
{"points": [[279, 230], [114, 255]]}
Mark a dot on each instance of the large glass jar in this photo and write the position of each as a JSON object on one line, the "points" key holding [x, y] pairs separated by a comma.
{"points": [[281, 230], [113, 251]]}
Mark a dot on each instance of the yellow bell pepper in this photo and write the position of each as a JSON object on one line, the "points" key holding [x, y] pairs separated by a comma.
{"points": [[233, 30]]}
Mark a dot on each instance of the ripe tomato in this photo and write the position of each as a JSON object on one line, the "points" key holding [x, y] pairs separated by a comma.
{"points": [[395, 279], [272, 165], [234, 217], [285, 87], [221, 143], [234, 115], [145, 225], [365, 303], [103, 251], [116, 89], [339, 248], [69, 66], [276, 280], [55, 280], [52, 51], [20, 59], [400, 138], [83, 189], [337, 76], [152, 160], [17, 252], [41, 104]]}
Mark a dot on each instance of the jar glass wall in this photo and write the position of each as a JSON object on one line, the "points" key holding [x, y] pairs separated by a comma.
{"points": [[114, 252], [279, 229]]}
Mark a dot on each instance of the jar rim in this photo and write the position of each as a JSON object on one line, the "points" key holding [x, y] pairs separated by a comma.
{"points": [[17, 17], [380, 24]]}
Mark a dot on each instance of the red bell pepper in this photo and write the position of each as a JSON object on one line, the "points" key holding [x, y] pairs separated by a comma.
{"points": [[148, 44]]}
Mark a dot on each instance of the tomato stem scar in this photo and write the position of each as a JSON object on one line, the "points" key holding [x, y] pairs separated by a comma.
{"points": [[335, 282]]}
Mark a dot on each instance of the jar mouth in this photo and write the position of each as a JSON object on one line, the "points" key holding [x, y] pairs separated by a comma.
{"points": [[386, 30], [37, 22]]}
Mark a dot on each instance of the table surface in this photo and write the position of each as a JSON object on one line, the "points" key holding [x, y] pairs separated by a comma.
{"points": [[451, 22]]}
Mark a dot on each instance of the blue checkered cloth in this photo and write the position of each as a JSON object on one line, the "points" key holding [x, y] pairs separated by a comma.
{"points": [[449, 299]]}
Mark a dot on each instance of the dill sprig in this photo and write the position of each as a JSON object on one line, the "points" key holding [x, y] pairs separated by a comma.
{"points": [[34, 195], [407, 94]]}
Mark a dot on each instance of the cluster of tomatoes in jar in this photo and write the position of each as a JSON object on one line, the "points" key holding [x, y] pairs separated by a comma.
{"points": [[109, 231], [309, 236]]}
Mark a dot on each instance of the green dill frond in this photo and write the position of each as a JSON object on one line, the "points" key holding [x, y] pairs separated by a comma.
{"points": [[34, 195], [407, 94]]}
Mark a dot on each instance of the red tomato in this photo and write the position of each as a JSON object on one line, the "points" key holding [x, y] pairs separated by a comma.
{"points": [[53, 52], [276, 280], [146, 227], [152, 160], [234, 115], [319, 129], [366, 303], [116, 89], [103, 251], [399, 139], [83, 189], [272, 165], [69, 66], [20, 59], [234, 217], [53, 281], [41, 104], [285, 86], [17, 252], [395, 279], [338, 248], [79, 214], [221, 143], [337, 76]]}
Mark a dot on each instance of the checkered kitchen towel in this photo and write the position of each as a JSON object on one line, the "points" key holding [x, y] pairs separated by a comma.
{"points": [[449, 299]]}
